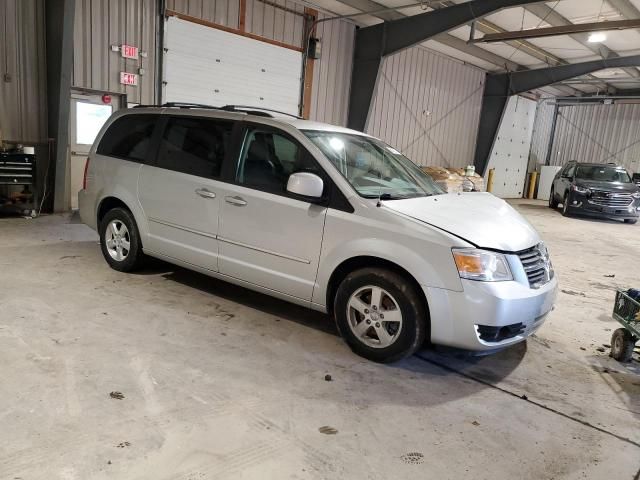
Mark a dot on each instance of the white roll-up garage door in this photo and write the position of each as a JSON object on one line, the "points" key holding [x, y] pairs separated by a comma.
{"points": [[206, 65]]}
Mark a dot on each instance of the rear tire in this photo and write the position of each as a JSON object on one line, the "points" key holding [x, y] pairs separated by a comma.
{"points": [[631, 221], [363, 300], [552, 200], [120, 240], [622, 345]]}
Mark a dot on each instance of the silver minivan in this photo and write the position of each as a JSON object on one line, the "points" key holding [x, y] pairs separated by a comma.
{"points": [[321, 216]]}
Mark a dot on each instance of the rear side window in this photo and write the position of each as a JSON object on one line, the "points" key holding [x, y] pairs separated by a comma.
{"points": [[129, 137], [196, 146]]}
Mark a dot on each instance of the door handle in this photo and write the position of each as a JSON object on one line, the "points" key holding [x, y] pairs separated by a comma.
{"points": [[237, 201], [203, 192]]}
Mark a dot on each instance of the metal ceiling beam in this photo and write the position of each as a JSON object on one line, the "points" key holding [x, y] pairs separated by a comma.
{"points": [[499, 87], [475, 51], [375, 42], [550, 16], [528, 48], [369, 7], [487, 27], [625, 7], [560, 30]]}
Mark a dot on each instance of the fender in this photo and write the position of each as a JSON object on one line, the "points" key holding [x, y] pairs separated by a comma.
{"points": [[399, 246]]}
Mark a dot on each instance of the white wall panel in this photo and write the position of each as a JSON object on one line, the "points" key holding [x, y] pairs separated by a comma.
{"points": [[332, 72], [211, 66], [510, 153], [428, 107]]}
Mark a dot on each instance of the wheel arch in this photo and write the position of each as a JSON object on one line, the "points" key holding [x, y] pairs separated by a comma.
{"points": [[367, 261], [109, 203]]}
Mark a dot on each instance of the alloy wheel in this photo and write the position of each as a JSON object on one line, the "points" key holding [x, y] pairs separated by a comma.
{"points": [[117, 240], [374, 316]]}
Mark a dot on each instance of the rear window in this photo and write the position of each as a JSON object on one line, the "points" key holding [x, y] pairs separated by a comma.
{"points": [[129, 137]]}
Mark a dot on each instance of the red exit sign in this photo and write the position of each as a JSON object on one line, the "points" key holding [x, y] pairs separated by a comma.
{"points": [[129, 51], [127, 78]]}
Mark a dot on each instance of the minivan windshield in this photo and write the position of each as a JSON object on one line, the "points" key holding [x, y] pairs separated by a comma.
{"points": [[372, 167], [602, 173]]}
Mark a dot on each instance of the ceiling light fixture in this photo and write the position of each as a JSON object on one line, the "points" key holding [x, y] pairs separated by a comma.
{"points": [[597, 37]]}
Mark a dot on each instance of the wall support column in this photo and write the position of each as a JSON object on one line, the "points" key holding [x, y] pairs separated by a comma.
{"points": [[59, 20], [499, 87], [378, 41]]}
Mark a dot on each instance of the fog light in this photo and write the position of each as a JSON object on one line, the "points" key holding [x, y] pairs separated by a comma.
{"points": [[575, 202]]}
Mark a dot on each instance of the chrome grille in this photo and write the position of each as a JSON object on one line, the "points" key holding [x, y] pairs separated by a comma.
{"points": [[537, 265], [609, 199]]}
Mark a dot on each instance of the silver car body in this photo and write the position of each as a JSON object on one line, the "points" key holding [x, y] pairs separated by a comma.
{"points": [[289, 248]]}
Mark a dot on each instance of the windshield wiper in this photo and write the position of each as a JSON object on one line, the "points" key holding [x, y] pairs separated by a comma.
{"points": [[389, 196]]}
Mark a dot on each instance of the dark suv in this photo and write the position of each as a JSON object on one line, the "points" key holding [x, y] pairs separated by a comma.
{"points": [[596, 189]]}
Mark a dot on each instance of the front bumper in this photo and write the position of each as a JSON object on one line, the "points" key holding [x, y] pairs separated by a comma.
{"points": [[583, 205], [456, 316]]}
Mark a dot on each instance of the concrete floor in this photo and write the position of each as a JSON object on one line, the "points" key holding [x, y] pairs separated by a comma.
{"points": [[218, 382]]}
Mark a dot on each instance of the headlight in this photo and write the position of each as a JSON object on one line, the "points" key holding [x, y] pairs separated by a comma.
{"points": [[582, 190], [482, 265]]}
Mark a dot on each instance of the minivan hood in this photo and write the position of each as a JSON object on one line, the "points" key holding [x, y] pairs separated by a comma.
{"points": [[617, 187], [480, 218]]}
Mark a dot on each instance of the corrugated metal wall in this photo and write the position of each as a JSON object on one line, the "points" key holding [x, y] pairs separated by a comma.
{"points": [[23, 101], [428, 106], [541, 134], [261, 19], [275, 23], [592, 133], [222, 12], [332, 73], [102, 23]]}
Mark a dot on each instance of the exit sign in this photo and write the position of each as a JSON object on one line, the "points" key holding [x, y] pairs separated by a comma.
{"points": [[129, 51], [127, 78]]}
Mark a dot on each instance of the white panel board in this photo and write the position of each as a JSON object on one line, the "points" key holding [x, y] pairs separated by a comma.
{"points": [[214, 67], [510, 152], [547, 174]]}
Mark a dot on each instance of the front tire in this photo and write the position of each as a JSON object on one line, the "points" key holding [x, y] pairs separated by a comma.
{"points": [[120, 240], [565, 205], [380, 315], [632, 221]]}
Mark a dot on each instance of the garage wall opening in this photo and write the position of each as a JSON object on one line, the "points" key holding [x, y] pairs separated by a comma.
{"points": [[215, 67]]}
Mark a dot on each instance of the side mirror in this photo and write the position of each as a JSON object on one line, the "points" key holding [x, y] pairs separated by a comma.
{"points": [[307, 185], [636, 178]]}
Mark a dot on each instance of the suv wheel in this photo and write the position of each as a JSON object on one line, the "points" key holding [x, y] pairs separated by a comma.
{"points": [[552, 200], [565, 205], [120, 240], [380, 315], [631, 220]]}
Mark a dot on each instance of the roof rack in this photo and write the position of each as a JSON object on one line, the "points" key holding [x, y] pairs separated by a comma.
{"points": [[189, 105], [257, 110]]}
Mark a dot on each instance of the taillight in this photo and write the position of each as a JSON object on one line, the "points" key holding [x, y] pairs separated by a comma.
{"points": [[84, 178]]}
